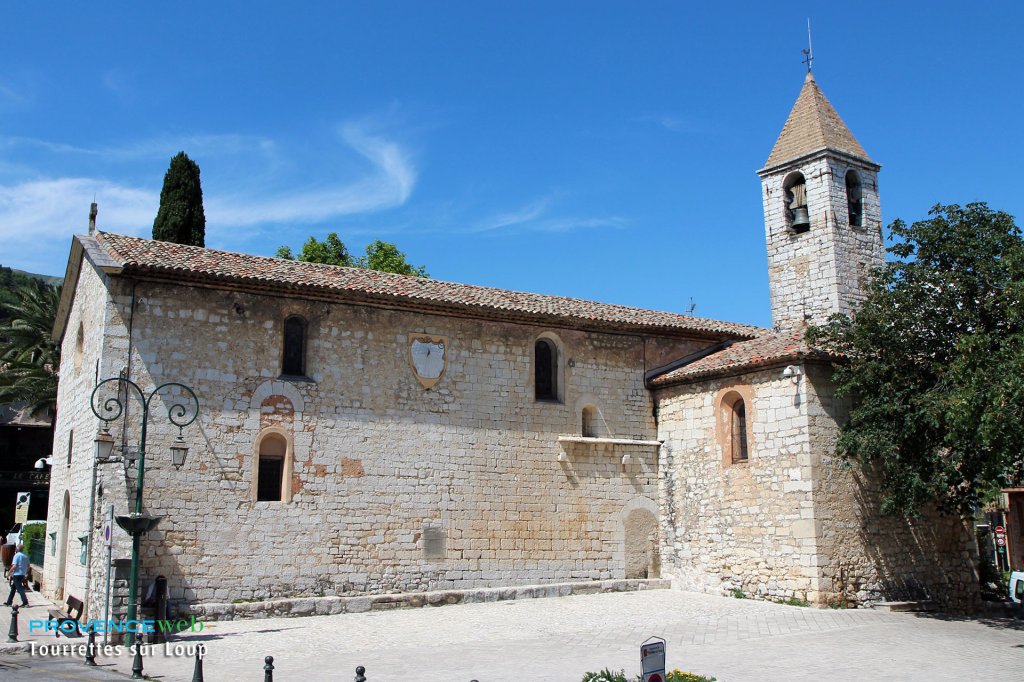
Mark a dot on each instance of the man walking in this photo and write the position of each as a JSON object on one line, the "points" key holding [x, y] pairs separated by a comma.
{"points": [[18, 574]]}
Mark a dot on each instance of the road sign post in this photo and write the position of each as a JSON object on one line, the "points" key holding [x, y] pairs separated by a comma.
{"points": [[652, 660], [21, 507]]}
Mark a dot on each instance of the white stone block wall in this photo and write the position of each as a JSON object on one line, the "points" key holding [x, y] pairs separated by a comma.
{"points": [[866, 556], [820, 272], [746, 526], [377, 457], [797, 520], [95, 319]]}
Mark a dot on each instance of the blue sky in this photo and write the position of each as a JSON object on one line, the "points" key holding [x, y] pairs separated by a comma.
{"points": [[591, 149]]}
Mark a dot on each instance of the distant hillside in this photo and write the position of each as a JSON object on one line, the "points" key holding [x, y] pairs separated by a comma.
{"points": [[10, 279], [49, 279]]}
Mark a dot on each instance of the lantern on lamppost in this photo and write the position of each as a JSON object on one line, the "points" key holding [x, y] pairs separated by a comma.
{"points": [[182, 411]]}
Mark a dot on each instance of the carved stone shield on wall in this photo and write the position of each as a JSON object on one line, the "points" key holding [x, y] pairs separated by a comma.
{"points": [[428, 357]]}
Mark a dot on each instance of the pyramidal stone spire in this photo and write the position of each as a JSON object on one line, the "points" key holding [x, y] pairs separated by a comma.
{"points": [[813, 125]]}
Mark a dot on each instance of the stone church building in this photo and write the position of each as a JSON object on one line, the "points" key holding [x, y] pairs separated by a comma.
{"points": [[363, 433]]}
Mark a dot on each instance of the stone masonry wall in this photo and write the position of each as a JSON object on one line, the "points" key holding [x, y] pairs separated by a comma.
{"points": [[796, 520], [378, 459], [745, 526], [819, 272], [94, 346], [865, 556]]}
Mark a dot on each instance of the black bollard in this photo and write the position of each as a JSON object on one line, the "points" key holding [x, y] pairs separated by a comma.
{"points": [[90, 650], [137, 661], [12, 633], [360, 676], [197, 673], [268, 669]]}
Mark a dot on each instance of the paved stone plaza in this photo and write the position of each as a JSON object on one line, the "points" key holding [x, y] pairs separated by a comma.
{"points": [[557, 640]]}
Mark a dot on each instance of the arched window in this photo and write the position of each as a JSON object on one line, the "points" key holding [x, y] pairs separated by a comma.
{"points": [[795, 192], [738, 432], [733, 424], [589, 422], [293, 357], [272, 473], [545, 368], [854, 199]]}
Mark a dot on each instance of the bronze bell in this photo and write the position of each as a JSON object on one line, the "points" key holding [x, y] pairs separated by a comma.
{"points": [[801, 220]]}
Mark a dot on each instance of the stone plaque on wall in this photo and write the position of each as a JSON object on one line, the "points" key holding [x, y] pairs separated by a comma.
{"points": [[428, 357]]}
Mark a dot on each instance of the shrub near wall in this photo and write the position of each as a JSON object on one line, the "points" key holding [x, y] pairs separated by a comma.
{"points": [[34, 536]]}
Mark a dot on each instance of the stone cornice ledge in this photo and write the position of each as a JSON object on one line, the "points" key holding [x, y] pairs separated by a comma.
{"points": [[609, 441]]}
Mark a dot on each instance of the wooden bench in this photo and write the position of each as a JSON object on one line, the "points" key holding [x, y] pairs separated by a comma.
{"points": [[73, 614]]}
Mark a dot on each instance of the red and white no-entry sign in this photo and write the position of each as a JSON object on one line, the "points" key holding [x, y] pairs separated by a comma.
{"points": [[1000, 534]]}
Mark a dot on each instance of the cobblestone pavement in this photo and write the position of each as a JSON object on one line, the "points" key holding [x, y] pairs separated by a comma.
{"points": [[557, 640]]}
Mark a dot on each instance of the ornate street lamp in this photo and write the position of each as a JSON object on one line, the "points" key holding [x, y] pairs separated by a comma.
{"points": [[181, 412]]}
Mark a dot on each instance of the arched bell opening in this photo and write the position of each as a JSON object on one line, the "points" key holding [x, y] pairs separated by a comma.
{"points": [[798, 219]]}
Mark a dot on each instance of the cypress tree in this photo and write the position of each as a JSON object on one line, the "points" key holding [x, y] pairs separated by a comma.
{"points": [[181, 218]]}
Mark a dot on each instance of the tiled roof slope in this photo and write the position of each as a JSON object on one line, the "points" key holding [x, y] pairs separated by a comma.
{"points": [[768, 349], [813, 124], [197, 264]]}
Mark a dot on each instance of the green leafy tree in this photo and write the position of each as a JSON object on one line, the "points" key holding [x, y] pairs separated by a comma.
{"points": [[380, 256], [934, 361], [181, 218], [29, 359], [385, 257]]}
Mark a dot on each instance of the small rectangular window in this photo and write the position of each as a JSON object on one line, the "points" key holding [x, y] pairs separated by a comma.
{"points": [[71, 444], [268, 488]]}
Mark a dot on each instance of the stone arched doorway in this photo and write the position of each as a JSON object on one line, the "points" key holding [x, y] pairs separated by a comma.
{"points": [[643, 560]]}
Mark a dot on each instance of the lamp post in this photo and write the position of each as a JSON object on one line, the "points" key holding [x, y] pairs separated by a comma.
{"points": [[182, 411]]}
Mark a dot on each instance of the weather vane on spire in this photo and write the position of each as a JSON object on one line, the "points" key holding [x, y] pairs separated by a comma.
{"points": [[809, 52]]}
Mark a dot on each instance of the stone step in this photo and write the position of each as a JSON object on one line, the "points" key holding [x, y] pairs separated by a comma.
{"points": [[310, 606], [905, 606]]}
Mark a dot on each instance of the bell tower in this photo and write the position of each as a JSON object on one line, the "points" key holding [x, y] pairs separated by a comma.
{"points": [[822, 217]]}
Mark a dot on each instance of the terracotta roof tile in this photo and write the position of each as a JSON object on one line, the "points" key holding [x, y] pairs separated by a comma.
{"points": [[193, 264], [768, 349], [813, 124]]}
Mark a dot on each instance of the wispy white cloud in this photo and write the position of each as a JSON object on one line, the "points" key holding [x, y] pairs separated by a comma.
{"points": [[153, 148], [525, 215], [389, 183], [668, 122], [534, 217], [35, 211], [38, 211], [11, 97]]}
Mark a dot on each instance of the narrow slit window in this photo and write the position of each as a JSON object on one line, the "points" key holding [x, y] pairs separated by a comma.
{"points": [[854, 199], [293, 358], [738, 437]]}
